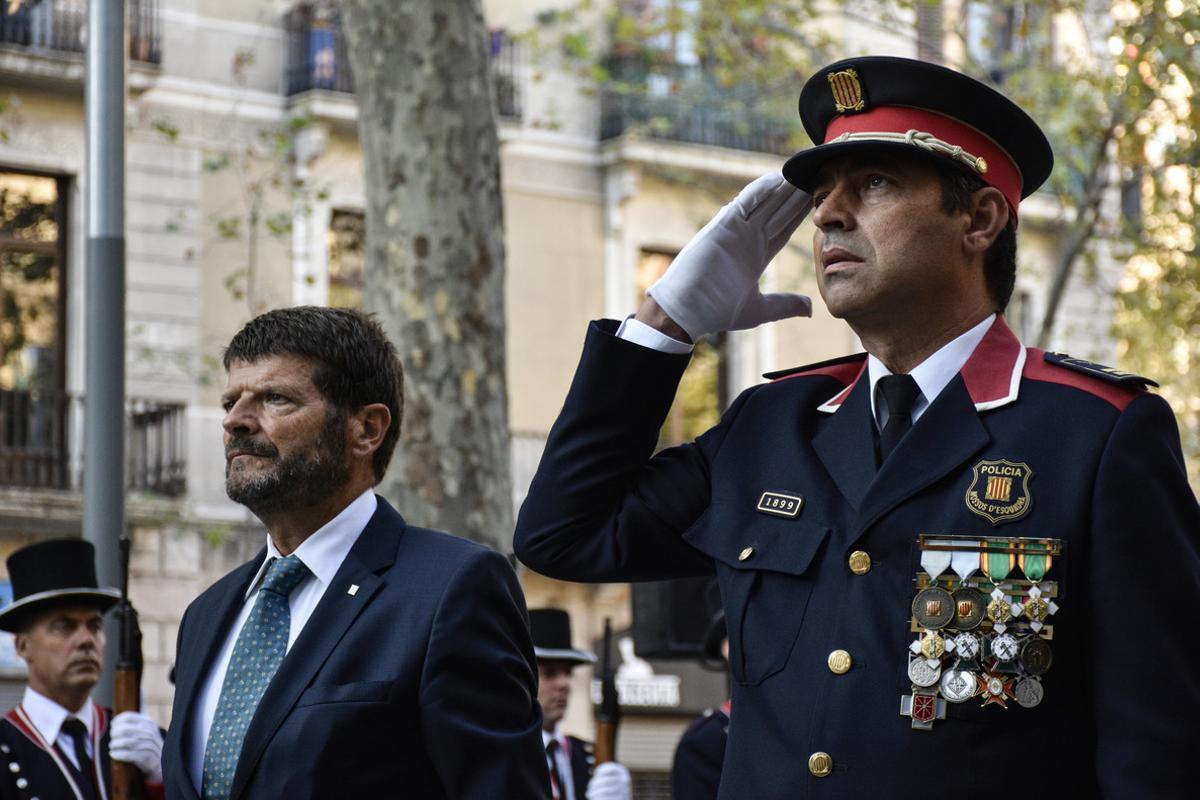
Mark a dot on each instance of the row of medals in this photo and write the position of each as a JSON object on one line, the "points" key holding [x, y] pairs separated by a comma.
{"points": [[978, 639]]}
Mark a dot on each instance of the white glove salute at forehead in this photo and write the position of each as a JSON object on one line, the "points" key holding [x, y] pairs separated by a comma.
{"points": [[712, 285]]}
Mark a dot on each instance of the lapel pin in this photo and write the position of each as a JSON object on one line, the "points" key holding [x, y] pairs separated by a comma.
{"points": [[353, 590]]}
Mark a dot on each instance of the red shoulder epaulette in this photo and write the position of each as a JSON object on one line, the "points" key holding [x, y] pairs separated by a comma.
{"points": [[1111, 385], [845, 369]]}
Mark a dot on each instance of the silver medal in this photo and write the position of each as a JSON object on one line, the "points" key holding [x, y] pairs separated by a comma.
{"points": [[1029, 693], [966, 645], [958, 685], [922, 674], [1004, 647]]}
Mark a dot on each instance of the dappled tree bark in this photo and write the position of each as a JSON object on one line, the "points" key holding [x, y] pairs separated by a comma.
{"points": [[435, 263]]}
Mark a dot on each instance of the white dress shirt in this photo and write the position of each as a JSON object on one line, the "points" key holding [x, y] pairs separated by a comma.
{"points": [[563, 759], [323, 553], [932, 375], [48, 717]]}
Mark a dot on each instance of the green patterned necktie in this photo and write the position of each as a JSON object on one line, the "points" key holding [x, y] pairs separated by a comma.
{"points": [[256, 656]]}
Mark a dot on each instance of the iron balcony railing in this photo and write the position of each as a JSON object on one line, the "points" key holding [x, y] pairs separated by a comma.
{"points": [[696, 117], [41, 443], [317, 57], [61, 26]]}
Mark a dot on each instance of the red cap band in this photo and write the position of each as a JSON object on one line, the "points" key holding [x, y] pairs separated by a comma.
{"points": [[1001, 173]]}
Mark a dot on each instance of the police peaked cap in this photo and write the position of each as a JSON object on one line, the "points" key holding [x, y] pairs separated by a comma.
{"points": [[56, 572], [903, 105]]}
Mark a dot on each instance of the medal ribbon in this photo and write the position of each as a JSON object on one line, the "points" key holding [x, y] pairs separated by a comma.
{"points": [[964, 563], [996, 565], [1035, 560], [935, 562]]}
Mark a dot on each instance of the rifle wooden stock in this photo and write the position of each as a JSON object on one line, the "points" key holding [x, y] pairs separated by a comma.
{"points": [[608, 715], [126, 779], [606, 742]]}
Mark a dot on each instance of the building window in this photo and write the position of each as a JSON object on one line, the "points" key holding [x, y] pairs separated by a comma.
{"points": [[703, 391], [347, 239], [32, 329]]}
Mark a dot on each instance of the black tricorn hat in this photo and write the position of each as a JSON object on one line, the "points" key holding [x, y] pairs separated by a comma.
{"points": [[551, 629], [50, 573], [904, 105]]}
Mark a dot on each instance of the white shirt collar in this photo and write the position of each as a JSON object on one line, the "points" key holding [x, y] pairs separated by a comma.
{"points": [[934, 373], [48, 716], [557, 736], [324, 551]]}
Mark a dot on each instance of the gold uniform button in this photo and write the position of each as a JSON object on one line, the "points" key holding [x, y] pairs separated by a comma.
{"points": [[860, 562], [820, 764], [839, 662], [742, 556]]}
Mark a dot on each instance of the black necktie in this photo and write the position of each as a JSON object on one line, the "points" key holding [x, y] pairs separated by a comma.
{"points": [[75, 729], [558, 788], [900, 392]]}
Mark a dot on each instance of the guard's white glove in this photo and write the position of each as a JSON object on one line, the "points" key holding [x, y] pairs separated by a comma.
{"points": [[135, 739], [712, 285], [610, 781]]}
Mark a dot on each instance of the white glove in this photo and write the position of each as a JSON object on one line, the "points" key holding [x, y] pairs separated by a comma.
{"points": [[135, 739], [610, 781], [712, 285]]}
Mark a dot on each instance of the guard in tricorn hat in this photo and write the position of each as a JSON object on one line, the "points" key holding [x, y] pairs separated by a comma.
{"points": [[58, 743], [573, 774], [943, 561]]}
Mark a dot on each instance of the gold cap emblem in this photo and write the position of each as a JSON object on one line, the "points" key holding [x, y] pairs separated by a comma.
{"points": [[847, 91]]}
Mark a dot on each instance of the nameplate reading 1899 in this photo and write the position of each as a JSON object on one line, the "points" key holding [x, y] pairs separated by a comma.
{"points": [[781, 505]]}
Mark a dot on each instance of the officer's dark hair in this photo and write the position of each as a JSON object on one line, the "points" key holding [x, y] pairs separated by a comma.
{"points": [[355, 363], [1000, 260]]}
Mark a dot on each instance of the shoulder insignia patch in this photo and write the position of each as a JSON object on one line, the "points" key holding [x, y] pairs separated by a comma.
{"points": [[834, 366], [1109, 374]]}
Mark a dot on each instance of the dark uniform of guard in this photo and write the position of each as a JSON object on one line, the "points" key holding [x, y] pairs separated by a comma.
{"points": [[50, 574], [991, 610], [696, 768]]}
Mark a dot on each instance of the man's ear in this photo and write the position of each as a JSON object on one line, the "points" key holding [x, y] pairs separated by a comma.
{"points": [[20, 644], [368, 427], [989, 215]]}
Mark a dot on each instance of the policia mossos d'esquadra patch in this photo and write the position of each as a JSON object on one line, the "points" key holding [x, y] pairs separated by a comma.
{"points": [[999, 490], [981, 618]]}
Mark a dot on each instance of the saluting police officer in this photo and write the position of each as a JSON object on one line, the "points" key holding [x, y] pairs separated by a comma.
{"points": [[949, 565], [58, 743]]}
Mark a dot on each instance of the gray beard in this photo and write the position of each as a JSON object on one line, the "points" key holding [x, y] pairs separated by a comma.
{"points": [[298, 480]]}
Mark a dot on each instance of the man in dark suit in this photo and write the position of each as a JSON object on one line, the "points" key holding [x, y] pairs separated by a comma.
{"points": [[949, 564], [571, 760], [355, 656], [57, 742]]}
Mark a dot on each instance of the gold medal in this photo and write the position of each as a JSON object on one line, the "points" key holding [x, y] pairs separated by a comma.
{"points": [[998, 611], [933, 645]]}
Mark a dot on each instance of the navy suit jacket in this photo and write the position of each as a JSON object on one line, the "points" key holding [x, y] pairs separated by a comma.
{"points": [[422, 683], [1105, 475]]}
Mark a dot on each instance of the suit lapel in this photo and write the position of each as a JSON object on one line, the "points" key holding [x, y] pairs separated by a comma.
{"points": [[372, 554], [946, 435], [208, 625], [846, 443]]}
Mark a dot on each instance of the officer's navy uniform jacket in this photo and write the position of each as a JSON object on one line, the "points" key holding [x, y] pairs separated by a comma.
{"points": [[31, 767], [420, 682], [1122, 702]]}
